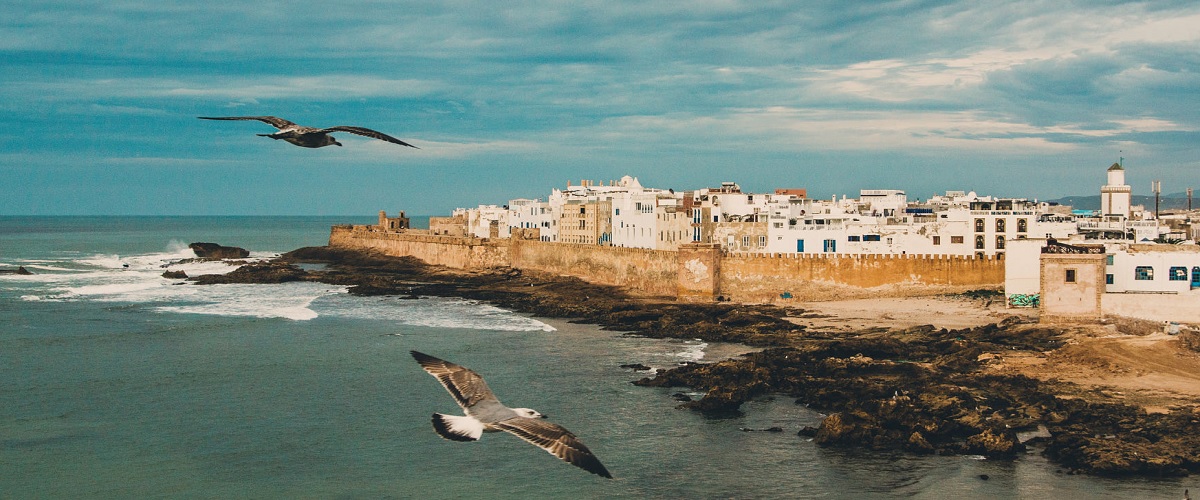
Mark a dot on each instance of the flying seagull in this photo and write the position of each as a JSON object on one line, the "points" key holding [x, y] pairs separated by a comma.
{"points": [[310, 137], [485, 413]]}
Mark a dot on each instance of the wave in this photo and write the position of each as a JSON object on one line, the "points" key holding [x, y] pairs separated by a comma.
{"points": [[137, 279], [433, 312], [288, 301]]}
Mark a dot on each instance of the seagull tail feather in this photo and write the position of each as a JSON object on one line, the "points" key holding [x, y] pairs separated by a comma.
{"points": [[457, 428]]}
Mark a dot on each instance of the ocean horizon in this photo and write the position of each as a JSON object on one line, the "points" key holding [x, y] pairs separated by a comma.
{"points": [[120, 383]]}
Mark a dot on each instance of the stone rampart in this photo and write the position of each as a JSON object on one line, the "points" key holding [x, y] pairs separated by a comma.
{"points": [[817, 277], [695, 274], [449, 251], [651, 272]]}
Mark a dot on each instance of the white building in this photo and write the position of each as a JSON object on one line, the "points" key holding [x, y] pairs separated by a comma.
{"points": [[532, 214], [1116, 196]]}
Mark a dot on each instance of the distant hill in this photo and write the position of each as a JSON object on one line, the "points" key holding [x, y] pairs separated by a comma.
{"points": [[1166, 202]]}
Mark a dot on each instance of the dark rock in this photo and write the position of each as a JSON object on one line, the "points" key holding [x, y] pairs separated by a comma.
{"points": [[213, 251], [175, 275], [260, 273], [637, 367], [768, 429], [19, 270], [679, 396], [807, 431]]}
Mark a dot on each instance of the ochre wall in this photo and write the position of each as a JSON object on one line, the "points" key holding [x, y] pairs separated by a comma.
{"points": [[740, 278], [651, 272], [816, 277], [449, 251]]}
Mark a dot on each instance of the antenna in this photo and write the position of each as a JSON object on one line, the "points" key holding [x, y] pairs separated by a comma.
{"points": [[1156, 187]]}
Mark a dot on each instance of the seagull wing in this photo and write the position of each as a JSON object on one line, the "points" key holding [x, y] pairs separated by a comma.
{"points": [[556, 440], [276, 122], [467, 387], [366, 132]]}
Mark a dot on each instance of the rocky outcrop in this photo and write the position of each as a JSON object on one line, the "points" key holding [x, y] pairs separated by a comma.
{"points": [[261, 273], [213, 251], [175, 275], [19, 270]]}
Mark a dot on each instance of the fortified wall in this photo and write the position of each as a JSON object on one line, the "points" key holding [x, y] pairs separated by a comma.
{"points": [[697, 272]]}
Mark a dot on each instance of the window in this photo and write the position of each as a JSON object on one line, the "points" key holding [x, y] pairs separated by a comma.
{"points": [[1177, 274], [745, 241], [716, 218], [1108, 260], [979, 225], [979, 242], [762, 241], [1022, 225], [618, 211], [870, 237], [1001, 226], [1000, 242], [1070, 275], [1108, 279], [1143, 273], [830, 245], [853, 238], [956, 239], [937, 240], [799, 246], [695, 234]]}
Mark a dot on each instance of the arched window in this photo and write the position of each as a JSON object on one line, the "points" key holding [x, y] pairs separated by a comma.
{"points": [[979, 242], [1022, 225], [979, 225], [1001, 226], [1000, 242]]}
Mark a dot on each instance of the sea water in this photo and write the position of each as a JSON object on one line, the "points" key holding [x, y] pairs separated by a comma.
{"points": [[118, 383]]}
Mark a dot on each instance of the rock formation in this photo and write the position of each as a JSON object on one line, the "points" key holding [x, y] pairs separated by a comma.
{"points": [[213, 251]]}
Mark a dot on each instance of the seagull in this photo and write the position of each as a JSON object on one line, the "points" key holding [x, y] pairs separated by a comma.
{"points": [[485, 413], [310, 137]]}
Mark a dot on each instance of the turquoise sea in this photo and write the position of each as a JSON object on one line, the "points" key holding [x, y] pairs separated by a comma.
{"points": [[118, 383]]}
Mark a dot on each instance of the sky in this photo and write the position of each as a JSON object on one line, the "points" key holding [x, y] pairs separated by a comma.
{"points": [[1031, 99]]}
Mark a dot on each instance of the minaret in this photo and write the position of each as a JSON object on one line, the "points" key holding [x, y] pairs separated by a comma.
{"points": [[1115, 197]]}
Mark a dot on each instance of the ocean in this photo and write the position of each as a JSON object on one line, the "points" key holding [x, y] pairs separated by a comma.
{"points": [[118, 383]]}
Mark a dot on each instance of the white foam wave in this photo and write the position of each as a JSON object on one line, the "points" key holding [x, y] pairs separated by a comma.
{"points": [[693, 351], [434, 312], [290, 300]]}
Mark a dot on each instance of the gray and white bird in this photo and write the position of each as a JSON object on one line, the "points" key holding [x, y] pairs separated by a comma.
{"points": [[310, 137], [485, 413]]}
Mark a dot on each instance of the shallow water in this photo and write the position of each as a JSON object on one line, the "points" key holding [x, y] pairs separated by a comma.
{"points": [[119, 383]]}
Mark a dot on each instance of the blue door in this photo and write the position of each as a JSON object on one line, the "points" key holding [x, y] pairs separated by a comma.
{"points": [[799, 246], [1196, 277]]}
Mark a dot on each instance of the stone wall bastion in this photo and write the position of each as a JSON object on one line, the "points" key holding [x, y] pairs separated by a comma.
{"points": [[696, 272]]}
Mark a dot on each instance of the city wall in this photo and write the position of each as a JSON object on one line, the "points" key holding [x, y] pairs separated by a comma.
{"points": [[696, 272]]}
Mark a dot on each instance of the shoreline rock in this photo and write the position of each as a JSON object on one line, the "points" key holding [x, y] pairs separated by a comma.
{"points": [[922, 390], [213, 251]]}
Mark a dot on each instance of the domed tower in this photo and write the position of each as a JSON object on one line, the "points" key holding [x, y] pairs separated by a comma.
{"points": [[1115, 197]]}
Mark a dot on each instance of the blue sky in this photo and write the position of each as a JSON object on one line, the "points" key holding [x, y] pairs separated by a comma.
{"points": [[511, 99]]}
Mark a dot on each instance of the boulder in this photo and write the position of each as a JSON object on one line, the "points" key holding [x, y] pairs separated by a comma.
{"points": [[213, 251], [175, 275]]}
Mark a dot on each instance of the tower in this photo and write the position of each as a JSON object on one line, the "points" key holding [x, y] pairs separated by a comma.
{"points": [[1116, 196]]}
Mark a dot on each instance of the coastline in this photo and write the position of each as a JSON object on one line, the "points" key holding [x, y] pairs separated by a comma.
{"points": [[887, 384]]}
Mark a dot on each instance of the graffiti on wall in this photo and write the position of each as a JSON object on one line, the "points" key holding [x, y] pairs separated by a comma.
{"points": [[1024, 300]]}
